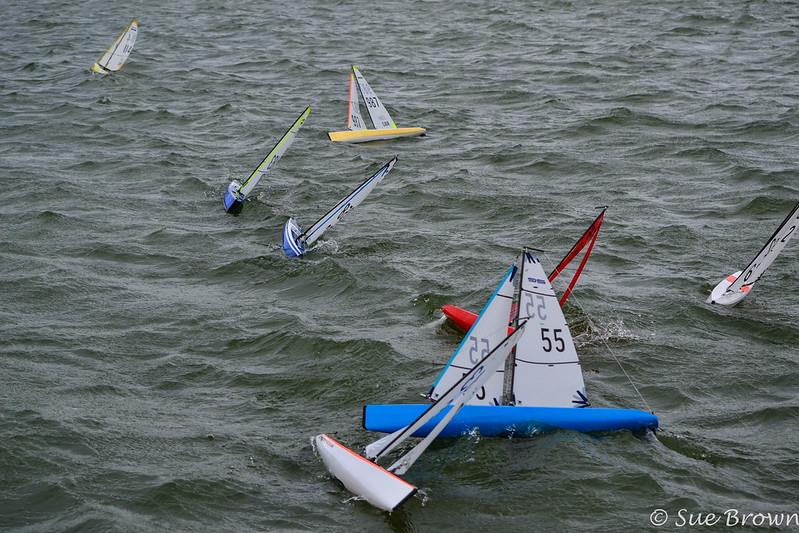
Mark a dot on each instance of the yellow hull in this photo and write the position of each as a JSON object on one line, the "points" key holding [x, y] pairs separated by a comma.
{"points": [[97, 69], [362, 136]]}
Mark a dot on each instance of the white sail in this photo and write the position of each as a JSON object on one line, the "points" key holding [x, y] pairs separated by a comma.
{"points": [[377, 111], [354, 118], [776, 243], [458, 394], [352, 200], [488, 330], [118, 53], [547, 371], [274, 156]]}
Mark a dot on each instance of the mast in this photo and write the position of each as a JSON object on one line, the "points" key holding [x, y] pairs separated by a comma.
{"points": [[510, 363]]}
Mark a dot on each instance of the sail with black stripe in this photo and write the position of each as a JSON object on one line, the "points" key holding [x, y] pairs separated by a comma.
{"points": [[115, 56], [352, 200], [774, 246]]}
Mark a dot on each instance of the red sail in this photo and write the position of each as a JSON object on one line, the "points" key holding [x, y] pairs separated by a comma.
{"points": [[464, 319], [588, 238]]}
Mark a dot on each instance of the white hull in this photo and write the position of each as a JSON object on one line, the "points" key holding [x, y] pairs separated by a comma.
{"points": [[362, 477], [722, 297]]}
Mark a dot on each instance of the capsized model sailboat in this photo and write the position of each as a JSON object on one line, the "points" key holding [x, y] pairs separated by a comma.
{"points": [[237, 192], [384, 126], [382, 487], [538, 389], [296, 241], [463, 319], [116, 55], [736, 286]]}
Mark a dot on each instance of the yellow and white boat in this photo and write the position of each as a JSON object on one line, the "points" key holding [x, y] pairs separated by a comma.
{"points": [[116, 55], [384, 126]]}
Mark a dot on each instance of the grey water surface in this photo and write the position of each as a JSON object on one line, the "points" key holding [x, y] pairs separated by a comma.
{"points": [[163, 365]]}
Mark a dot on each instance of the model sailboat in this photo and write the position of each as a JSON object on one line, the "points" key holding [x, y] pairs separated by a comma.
{"points": [[237, 192], [736, 286], [296, 241], [384, 126], [542, 383], [116, 55], [463, 319], [382, 487]]}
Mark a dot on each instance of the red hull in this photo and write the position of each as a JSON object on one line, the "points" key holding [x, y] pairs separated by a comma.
{"points": [[462, 318]]}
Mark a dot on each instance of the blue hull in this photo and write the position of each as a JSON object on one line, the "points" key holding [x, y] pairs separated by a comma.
{"points": [[493, 421], [291, 246], [233, 204]]}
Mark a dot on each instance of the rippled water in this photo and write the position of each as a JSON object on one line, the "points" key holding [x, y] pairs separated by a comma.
{"points": [[164, 366]]}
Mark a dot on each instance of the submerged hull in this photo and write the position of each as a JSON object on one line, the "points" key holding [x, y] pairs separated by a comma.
{"points": [[722, 297], [362, 136], [233, 204], [234, 200], [362, 477], [502, 420], [97, 69], [463, 319], [292, 247]]}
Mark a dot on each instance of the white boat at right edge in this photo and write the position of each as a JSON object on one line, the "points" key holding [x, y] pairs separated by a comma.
{"points": [[736, 286]]}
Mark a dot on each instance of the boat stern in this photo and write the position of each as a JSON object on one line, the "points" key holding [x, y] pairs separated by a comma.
{"points": [[720, 296], [362, 477], [292, 246], [97, 69]]}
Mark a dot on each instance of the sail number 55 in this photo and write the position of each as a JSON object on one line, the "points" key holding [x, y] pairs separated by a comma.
{"points": [[560, 345], [474, 350], [532, 309]]}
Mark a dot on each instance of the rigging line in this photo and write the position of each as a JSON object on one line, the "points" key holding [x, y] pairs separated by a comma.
{"points": [[613, 354]]}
